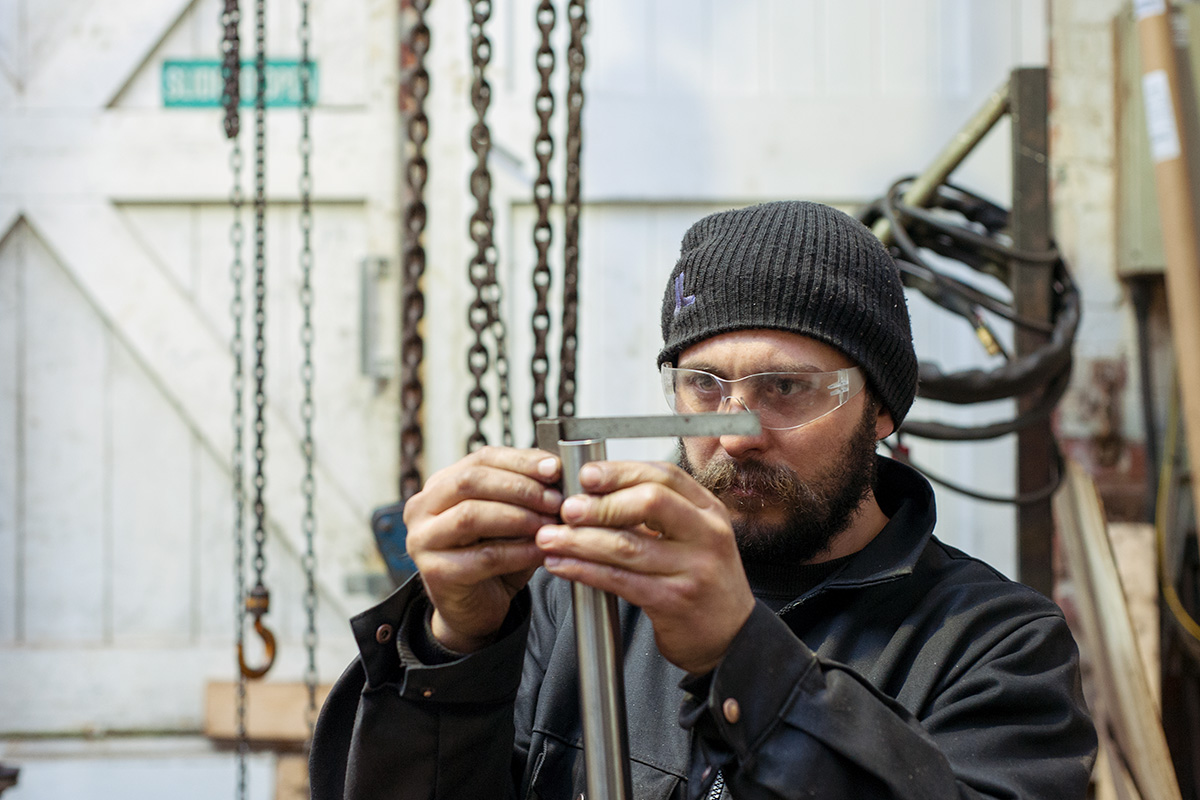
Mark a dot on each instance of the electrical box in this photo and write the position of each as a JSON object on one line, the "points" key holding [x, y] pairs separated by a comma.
{"points": [[1139, 233]]}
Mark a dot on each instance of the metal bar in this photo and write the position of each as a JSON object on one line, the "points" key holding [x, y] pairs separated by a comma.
{"points": [[1032, 297], [662, 425], [598, 644], [577, 441], [922, 189]]}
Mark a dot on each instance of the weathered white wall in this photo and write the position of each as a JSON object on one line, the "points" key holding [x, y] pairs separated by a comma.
{"points": [[693, 107], [115, 546]]}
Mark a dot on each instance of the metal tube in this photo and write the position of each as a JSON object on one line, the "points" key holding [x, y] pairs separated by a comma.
{"points": [[598, 645], [923, 187]]}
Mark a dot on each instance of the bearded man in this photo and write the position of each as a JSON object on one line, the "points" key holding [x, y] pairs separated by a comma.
{"points": [[791, 626]]}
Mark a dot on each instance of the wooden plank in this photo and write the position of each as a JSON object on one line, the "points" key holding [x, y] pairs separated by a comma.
{"points": [[12, 265], [66, 457], [10, 215], [735, 48], [795, 66], [151, 497], [909, 55], [133, 688], [190, 364], [291, 777], [108, 42], [1128, 707], [213, 548], [181, 156], [275, 712]]}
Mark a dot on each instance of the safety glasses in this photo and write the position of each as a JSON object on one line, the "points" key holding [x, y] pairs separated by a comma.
{"points": [[783, 400]]}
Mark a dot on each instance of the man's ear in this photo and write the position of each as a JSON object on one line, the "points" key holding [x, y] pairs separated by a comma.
{"points": [[883, 423]]}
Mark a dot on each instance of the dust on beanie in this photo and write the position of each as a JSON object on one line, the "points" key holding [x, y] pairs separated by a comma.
{"points": [[801, 267]]}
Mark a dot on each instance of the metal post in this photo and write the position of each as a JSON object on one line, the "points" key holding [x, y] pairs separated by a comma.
{"points": [[598, 644], [925, 185], [578, 441], [1032, 295]]}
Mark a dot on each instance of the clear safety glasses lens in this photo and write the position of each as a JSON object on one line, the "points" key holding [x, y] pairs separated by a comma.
{"points": [[783, 400]]}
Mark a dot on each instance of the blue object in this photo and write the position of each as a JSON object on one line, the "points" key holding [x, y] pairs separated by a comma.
{"points": [[387, 523]]}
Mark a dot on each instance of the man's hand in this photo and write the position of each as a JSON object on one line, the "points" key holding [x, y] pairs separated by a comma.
{"points": [[471, 534], [649, 533]]}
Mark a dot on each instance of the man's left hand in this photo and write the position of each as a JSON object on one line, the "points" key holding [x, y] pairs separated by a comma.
{"points": [[649, 533]]}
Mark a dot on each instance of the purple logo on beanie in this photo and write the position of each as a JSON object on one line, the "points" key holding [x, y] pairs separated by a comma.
{"points": [[681, 302]]}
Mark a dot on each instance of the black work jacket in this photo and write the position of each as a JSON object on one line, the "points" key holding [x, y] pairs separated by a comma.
{"points": [[914, 672]]}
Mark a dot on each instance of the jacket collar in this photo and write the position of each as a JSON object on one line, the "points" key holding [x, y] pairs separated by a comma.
{"points": [[906, 497]]}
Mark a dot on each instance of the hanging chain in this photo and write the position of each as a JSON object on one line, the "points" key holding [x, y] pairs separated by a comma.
{"points": [[307, 484], [231, 68], [577, 16], [258, 600], [230, 101], [543, 198], [414, 88], [484, 312], [260, 292]]}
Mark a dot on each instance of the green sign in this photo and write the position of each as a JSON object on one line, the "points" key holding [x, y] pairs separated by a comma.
{"points": [[197, 83]]}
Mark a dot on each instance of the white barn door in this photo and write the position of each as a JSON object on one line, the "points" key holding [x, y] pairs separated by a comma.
{"points": [[116, 552]]}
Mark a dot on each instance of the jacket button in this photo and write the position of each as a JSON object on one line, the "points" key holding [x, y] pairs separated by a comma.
{"points": [[383, 634], [731, 710], [427, 693]]}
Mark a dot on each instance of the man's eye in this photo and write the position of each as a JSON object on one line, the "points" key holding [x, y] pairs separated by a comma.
{"points": [[701, 382]]}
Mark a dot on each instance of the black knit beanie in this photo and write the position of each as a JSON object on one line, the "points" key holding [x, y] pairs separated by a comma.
{"points": [[800, 267]]}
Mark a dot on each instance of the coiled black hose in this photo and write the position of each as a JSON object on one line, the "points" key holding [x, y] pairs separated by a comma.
{"points": [[969, 229]]}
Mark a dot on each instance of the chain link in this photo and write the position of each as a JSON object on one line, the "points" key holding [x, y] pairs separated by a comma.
{"points": [[484, 312], [258, 599], [230, 100], [577, 16], [543, 198], [307, 410], [414, 88]]}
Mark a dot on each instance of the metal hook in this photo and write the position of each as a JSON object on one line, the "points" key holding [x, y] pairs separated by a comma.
{"points": [[257, 603]]}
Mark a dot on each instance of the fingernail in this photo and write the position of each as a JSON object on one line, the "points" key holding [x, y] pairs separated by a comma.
{"points": [[547, 535], [590, 473], [551, 497], [548, 467], [573, 507]]}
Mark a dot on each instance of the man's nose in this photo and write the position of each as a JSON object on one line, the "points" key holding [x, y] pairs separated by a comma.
{"points": [[730, 405]]}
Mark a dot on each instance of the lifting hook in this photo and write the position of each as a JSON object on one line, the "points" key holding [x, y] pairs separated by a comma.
{"points": [[258, 602]]}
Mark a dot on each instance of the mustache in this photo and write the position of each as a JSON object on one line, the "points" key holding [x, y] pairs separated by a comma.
{"points": [[777, 482]]}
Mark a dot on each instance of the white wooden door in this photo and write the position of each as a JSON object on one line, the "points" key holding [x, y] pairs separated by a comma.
{"points": [[116, 549]]}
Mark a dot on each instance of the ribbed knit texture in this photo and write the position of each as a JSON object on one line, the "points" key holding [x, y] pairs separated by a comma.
{"points": [[800, 267]]}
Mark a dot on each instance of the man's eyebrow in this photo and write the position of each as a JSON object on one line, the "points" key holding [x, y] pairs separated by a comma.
{"points": [[790, 366]]}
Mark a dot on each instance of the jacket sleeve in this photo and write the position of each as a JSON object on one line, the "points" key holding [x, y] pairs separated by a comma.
{"points": [[398, 729], [779, 722]]}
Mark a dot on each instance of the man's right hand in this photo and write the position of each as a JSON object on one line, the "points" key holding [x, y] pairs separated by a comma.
{"points": [[471, 534]]}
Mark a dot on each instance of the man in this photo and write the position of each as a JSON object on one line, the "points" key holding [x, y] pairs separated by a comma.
{"points": [[791, 627]]}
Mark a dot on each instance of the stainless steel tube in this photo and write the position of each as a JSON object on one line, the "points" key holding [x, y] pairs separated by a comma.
{"points": [[601, 677]]}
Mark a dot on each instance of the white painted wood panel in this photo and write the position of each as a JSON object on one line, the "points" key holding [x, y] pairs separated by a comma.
{"points": [[12, 262], [735, 57], [150, 463], [793, 64], [88, 63], [128, 203], [214, 603], [126, 688], [67, 439]]}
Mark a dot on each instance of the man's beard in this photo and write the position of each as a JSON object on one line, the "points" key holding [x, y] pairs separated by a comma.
{"points": [[817, 510]]}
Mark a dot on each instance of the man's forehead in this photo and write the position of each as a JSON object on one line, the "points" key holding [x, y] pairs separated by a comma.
{"points": [[763, 350]]}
